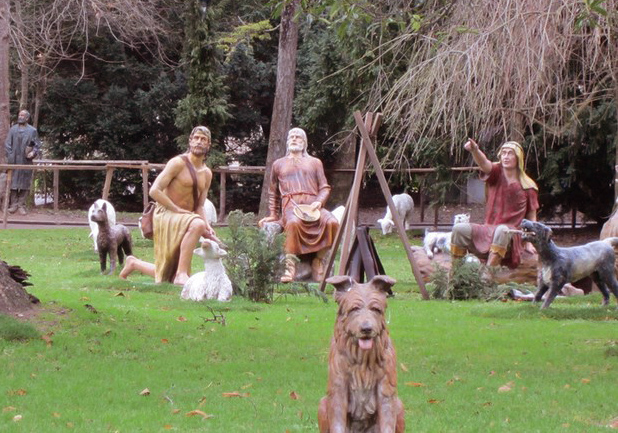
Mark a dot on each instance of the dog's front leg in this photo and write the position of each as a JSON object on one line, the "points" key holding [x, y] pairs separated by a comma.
{"points": [[338, 412], [103, 259], [542, 288], [556, 287], [113, 258], [390, 409]]}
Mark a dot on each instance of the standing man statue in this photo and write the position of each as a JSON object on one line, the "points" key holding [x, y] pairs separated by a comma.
{"points": [[22, 146], [299, 179], [178, 220]]}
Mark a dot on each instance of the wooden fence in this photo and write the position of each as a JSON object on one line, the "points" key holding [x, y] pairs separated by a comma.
{"points": [[109, 166]]}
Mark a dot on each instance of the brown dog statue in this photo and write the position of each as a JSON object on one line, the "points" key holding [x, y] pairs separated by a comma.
{"points": [[362, 365]]}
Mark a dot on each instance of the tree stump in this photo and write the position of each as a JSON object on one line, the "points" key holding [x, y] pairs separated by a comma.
{"points": [[13, 297]]}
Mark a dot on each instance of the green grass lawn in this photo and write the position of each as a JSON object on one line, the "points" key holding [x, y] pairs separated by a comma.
{"points": [[144, 360]]}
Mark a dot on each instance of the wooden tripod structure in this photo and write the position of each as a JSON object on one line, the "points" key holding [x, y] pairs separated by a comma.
{"points": [[368, 129]]}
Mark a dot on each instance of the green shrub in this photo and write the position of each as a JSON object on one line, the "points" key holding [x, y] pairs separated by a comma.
{"points": [[14, 330], [254, 263], [468, 280]]}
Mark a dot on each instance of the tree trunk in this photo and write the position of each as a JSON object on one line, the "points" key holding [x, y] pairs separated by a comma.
{"points": [[13, 297], [341, 182], [4, 75], [25, 80], [616, 144], [284, 95]]}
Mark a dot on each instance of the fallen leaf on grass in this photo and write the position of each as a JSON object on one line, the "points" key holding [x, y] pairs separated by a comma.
{"points": [[294, 396], [164, 340], [17, 418], [506, 387], [235, 394], [47, 339], [9, 409], [415, 384], [55, 414], [91, 308], [181, 319], [403, 367], [585, 380], [434, 401], [119, 294], [145, 391], [20, 392], [200, 413]]}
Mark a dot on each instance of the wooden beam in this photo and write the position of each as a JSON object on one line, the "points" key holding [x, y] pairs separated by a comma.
{"points": [[373, 157]]}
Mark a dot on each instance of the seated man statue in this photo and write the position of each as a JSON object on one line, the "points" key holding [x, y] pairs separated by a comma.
{"points": [[511, 196], [298, 179]]}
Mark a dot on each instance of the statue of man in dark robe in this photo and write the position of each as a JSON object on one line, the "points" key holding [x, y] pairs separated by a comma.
{"points": [[22, 146], [299, 179]]}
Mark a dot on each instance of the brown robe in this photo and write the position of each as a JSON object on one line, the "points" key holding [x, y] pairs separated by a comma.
{"points": [[507, 203], [303, 181]]}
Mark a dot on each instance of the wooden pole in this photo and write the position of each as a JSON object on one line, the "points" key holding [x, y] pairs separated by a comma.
{"points": [[145, 188], [7, 197], [352, 204], [222, 194], [108, 182], [56, 188], [373, 157]]}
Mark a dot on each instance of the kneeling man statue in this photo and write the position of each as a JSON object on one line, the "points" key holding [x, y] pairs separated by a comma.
{"points": [[298, 191]]}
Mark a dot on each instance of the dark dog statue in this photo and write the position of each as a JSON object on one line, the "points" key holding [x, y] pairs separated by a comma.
{"points": [[362, 367], [113, 240], [559, 266]]}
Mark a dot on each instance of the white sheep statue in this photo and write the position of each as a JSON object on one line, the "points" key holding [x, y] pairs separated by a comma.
{"points": [[435, 242], [212, 282], [404, 204]]}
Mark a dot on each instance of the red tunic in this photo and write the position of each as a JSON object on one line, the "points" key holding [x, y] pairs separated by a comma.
{"points": [[301, 180], [507, 203]]}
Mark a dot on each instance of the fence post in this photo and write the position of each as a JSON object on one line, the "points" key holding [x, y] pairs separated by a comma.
{"points": [[222, 194], [56, 188], [108, 182], [145, 185]]}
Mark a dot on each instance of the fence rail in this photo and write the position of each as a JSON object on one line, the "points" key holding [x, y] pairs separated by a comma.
{"points": [[145, 166]]}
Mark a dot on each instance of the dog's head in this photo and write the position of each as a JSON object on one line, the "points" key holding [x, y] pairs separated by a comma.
{"points": [[535, 232], [361, 308], [99, 213]]}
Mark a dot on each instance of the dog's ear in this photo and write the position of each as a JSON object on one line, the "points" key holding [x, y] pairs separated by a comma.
{"points": [[548, 234], [383, 283], [104, 207], [341, 282]]}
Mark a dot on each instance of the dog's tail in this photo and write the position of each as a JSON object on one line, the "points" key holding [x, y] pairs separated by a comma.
{"points": [[612, 241]]}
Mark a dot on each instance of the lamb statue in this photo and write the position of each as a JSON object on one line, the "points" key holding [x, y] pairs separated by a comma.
{"points": [[435, 242], [212, 282], [404, 204]]}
